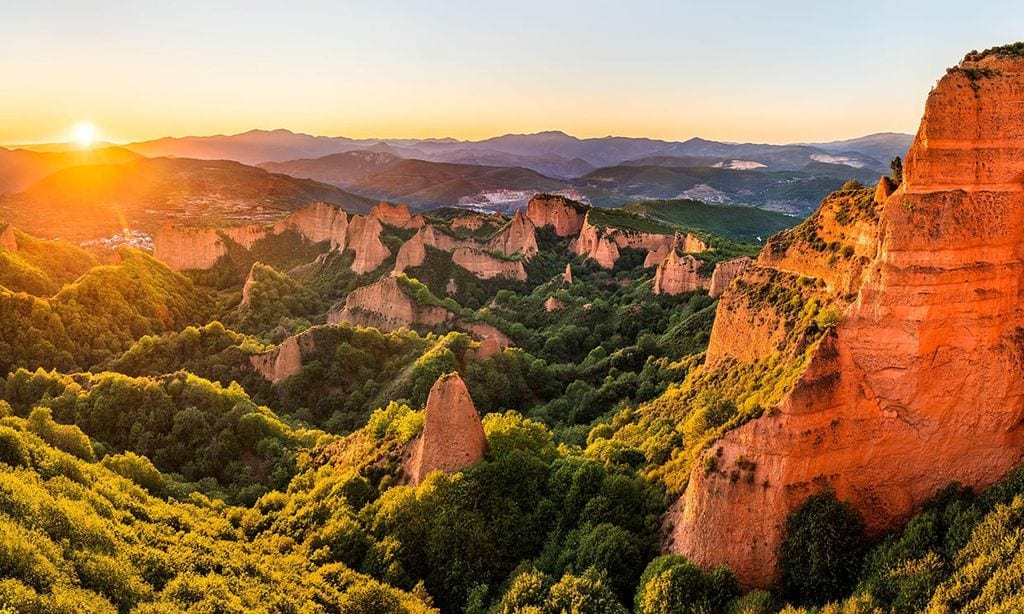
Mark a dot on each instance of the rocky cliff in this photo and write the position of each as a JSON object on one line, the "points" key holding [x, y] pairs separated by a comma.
{"points": [[724, 273], [679, 273], [453, 437], [485, 266], [285, 359], [518, 237], [318, 222], [182, 247], [564, 215], [395, 215], [921, 381], [364, 241], [385, 305]]}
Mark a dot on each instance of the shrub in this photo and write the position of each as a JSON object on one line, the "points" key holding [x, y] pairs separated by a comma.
{"points": [[822, 551]]}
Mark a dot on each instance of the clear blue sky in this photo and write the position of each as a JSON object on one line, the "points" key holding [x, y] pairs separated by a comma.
{"points": [[751, 71]]}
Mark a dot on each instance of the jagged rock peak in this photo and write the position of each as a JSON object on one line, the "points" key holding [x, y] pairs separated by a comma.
{"points": [[453, 436]]}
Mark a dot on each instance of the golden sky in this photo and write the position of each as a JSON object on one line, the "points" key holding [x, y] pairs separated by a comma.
{"points": [[788, 72]]}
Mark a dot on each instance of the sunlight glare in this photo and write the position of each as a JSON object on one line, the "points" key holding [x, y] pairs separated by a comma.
{"points": [[85, 134]]}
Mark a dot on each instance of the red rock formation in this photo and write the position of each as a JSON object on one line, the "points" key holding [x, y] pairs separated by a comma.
{"points": [[317, 222], [246, 236], [485, 266], [486, 331], [453, 437], [724, 273], [677, 274], [386, 306], [553, 304], [413, 252], [564, 215], [655, 256], [181, 247], [567, 276], [392, 215], [518, 237], [285, 360], [364, 240], [593, 243], [922, 382], [488, 347], [8, 240]]}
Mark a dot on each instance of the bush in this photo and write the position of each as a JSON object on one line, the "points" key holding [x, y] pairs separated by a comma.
{"points": [[822, 551], [672, 584]]}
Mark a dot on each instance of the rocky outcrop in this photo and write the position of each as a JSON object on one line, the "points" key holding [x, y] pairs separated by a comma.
{"points": [[183, 247], [364, 241], [567, 276], [485, 266], [486, 331], [921, 383], [285, 360], [453, 436], [317, 222], [679, 273], [488, 347], [412, 253], [7, 239], [593, 243], [724, 273], [517, 237], [566, 216], [395, 215], [386, 306], [553, 304]]}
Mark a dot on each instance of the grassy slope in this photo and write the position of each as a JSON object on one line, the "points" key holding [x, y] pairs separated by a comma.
{"points": [[735, 222]]}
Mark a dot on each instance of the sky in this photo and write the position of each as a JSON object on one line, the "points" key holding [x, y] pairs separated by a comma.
{"points": [[782, 71]]}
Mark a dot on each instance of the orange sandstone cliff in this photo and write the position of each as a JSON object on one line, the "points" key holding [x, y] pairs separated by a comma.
{"points": [[921, 381], [181, 247], [679, 273], [318, 222], [453, 437], [564, 215], [485, 266], [364, 241], [386, 306], [724, 273]]}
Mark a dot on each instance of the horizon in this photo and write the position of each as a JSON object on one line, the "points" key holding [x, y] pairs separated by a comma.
{"points": [[746, 73], [100, 143]]}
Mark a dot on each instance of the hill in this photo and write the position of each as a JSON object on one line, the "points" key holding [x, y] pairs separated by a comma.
{"points": [[20, 168], [87, 202], [748, 224]]}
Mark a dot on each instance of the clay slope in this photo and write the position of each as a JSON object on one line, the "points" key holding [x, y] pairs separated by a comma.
{"points": [[922, 381]]}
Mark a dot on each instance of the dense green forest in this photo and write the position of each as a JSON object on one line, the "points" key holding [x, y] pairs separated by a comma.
{"points": [[147, 465]]}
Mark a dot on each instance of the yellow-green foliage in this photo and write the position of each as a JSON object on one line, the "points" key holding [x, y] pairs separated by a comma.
{"points": [[76, 537], [41, 267], [673, 430], [99, 315]]}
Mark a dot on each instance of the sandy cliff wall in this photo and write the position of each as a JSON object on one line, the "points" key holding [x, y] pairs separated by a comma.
{"points": [[453, 437], [922, 382], [386, 306]]}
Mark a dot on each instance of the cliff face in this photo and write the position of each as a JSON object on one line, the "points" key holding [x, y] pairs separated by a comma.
{"points": [[318, 222], [593, 243], [386, 306], [922, 381], [485, 266], [183, 248], [518, 237], [364, 241], [565, 217], [724, 273], [453, 437], [677, 274], [395, 215], [285, 360]]}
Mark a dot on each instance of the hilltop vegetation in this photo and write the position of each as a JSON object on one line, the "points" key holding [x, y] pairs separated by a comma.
{"points": [[744, 224]]}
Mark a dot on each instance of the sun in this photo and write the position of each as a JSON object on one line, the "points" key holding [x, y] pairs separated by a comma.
{"points": [[85, 134]]}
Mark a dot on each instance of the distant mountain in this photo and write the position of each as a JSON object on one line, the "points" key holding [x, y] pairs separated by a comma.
{"points": [[20, 168], [423, 183], [339, 169], [553, 153], [250, 147], [87, 202], [883, 146], [792, 192]]}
